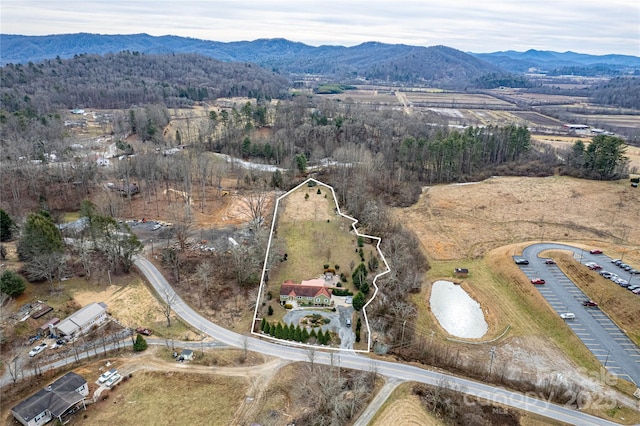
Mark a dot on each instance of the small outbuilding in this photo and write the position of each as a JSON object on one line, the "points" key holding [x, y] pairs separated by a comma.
{"points": [[461, 272], [187, 354]]}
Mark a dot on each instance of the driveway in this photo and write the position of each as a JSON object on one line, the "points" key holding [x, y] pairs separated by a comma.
{"points": [[337, 324]]}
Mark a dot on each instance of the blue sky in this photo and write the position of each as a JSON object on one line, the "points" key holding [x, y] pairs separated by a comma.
{"points": [[585, 26]]}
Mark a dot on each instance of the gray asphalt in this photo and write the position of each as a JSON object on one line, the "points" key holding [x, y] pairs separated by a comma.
{"points": [[355, 361], [615, 351]]}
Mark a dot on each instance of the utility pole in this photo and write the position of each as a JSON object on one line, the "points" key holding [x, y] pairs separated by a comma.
{"points": [[493, 354], [607, 360]]}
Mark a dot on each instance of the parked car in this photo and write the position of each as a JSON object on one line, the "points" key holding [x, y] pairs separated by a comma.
{"points": [[634, 272], [593, 266], [37, 349], [107, 375], [549, 262], [595, 251], [112, 380], [144, 330], [537, 281], [627, 268], [606, 274], [623, 265], [636, 291], [568, 315], [616, 261], [589, 303], [521, 261], [633, 287]]}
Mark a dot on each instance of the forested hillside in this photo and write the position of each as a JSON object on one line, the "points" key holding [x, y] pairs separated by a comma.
{"points": [[437, 65], [621, 92], [125, 79]]}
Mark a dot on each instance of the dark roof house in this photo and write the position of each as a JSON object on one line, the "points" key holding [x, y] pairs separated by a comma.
{"points": [[54, 401]]}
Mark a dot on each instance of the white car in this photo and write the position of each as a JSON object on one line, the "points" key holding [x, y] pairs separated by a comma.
{"points": [[567, 316], [112, 380], [106, 375], [36, 350]]}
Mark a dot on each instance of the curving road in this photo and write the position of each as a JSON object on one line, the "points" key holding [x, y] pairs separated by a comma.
{"points": [[615, 351], [358, 362]]}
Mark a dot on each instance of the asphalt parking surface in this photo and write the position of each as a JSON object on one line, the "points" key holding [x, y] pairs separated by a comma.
{"points": [[615, 351]]}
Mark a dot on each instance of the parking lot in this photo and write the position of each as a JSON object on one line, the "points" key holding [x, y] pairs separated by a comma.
{"points": [[617, 353]]}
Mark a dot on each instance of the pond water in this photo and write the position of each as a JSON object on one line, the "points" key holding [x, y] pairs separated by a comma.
{"points": [[456, 311]]}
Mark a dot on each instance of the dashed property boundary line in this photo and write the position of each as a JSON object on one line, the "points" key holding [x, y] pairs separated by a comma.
{"points": [[264, 270]]}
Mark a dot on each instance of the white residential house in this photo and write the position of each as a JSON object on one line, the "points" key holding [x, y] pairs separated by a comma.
{"points": [[54, 401], [81, 321]]}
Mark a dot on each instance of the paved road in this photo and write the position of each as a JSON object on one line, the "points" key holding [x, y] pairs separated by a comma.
{"points": [[617, 353], [377, 402], [359, 362]]}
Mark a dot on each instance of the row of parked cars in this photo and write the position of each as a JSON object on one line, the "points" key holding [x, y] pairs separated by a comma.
{"points": [[109, 378], [614, 277]]}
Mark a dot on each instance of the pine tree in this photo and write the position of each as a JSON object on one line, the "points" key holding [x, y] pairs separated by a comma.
{"points": [[140, 344], [305, 335], [6, 226], [320, 337], [278, 334], [313, 334], [263, 324], [297, 334]]}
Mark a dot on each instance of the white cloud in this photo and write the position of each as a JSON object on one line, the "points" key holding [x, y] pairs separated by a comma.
{"points": [[590, 26]]}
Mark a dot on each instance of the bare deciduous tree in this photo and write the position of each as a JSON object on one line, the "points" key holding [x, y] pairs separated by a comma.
{"points": [[255, 206], [168, 299]]}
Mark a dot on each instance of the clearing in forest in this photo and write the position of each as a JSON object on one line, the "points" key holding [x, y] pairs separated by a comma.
{"points": [[317, 262]]}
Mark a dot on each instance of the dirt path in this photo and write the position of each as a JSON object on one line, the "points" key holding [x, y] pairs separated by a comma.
{"points": [[377, 402]]}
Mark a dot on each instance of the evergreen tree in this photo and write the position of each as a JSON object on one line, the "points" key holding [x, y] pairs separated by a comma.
{"points": [[7, 226], [313, 335], [297, 334], [40, 236], [358, 301], [278, 333], [11, 284], [320, 337], [270, 310], [263, 324], [359, 274], [305, 335], [140, 344]]}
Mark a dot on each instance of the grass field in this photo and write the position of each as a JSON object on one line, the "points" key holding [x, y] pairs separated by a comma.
{"points": [[313, 235], [169, 399]]}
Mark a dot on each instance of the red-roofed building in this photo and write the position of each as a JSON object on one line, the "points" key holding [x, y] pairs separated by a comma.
{"points": [[304, 294]]}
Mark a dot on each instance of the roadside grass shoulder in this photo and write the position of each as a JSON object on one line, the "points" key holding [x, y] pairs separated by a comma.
{"points": [[402, 407]]}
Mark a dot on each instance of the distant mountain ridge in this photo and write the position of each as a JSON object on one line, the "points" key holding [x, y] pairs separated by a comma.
{"points": [[549, 61], [372, 60], [441, 65]]}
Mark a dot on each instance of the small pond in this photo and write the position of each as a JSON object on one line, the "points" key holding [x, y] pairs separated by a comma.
{"points": [[456, 311]]}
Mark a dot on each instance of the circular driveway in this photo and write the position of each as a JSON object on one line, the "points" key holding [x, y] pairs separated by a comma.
{"points": [[337, 323]]}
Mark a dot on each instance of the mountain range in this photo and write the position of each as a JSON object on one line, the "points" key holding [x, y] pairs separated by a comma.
{"points": [[398, 63]]}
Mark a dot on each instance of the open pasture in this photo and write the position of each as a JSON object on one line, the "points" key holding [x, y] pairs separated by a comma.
{"points": [[454, 99]]}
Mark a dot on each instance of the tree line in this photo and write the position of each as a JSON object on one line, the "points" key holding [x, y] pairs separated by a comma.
{"points": [[126, 79]]}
